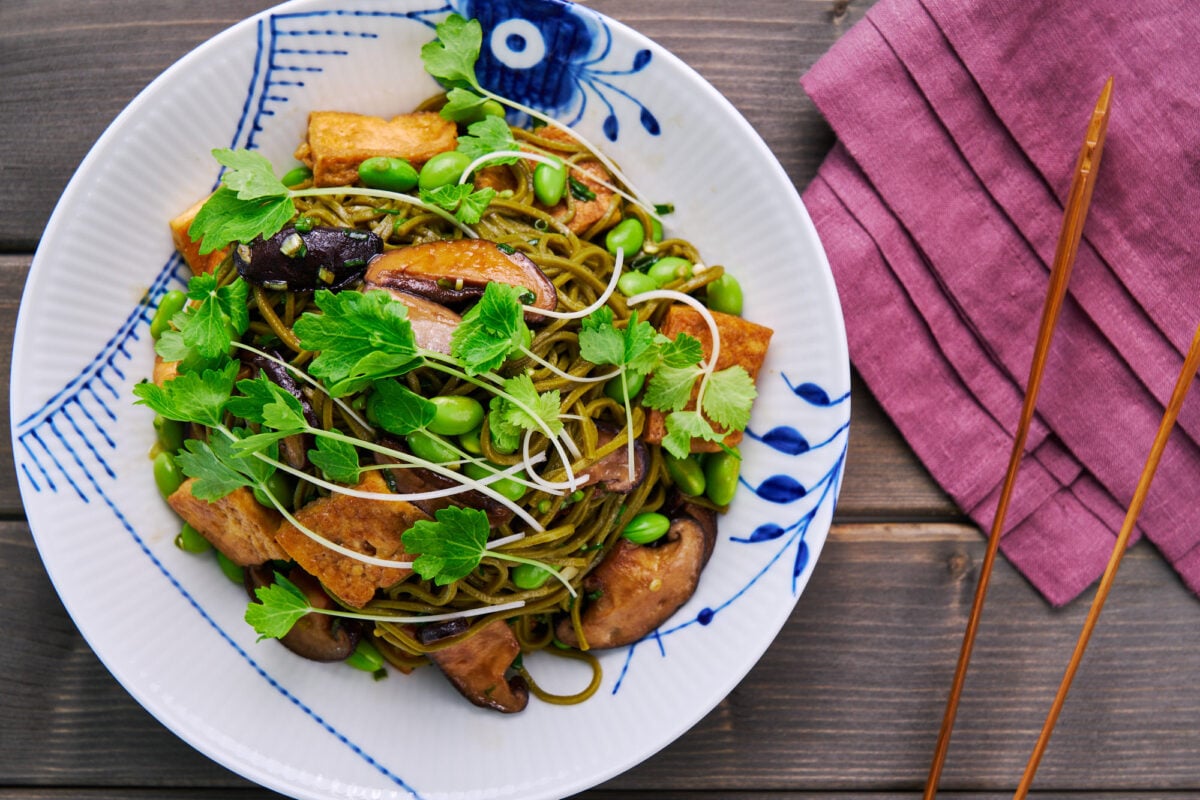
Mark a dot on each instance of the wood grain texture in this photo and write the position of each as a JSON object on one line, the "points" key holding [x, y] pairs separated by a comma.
{"points": [[846, 703]]}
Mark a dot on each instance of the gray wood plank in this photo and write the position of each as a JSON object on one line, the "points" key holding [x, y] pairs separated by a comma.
{"points": [[847, 699]]}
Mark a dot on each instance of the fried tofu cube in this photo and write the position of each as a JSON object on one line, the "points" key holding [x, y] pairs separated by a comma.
{"points": [[164, 371], [238, 525], [371, 527], [337, 142], [742, 342], [190, 249], [581, 215]]}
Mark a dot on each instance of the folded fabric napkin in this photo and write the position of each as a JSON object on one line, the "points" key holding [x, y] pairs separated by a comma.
{"points": [[959, 123]]}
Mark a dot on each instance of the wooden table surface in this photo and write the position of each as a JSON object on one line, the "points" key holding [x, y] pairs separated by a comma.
{"points": [[845, 704]]}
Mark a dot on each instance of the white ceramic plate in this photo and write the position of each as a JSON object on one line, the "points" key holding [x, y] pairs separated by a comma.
{"points": [[169, 626]]}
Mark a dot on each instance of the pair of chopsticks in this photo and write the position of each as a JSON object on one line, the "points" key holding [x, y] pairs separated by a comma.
{"points": [[1078, 201]]}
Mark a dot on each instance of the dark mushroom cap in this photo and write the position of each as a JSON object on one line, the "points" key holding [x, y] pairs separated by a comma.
{"points": [[322, 258], [477, 665], [318, 637], [612, 471]]}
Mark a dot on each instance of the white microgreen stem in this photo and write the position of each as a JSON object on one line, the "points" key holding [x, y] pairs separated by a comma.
{"points": [[304, 376], [385, 194], [554, 439], [635, 195], [540, 565], [600, 301], [670, 294], [500, 155], [416, 620], [572, 482], [432, 467], [629, 447], [453, 363], [532, 356]]}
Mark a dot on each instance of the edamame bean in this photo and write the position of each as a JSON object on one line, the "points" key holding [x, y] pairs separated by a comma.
{"points": [[455, 415], [231, 570], [725, 295], [529, 576], [167, 475], [669, 268], [507, 487], [626, 236], [632, 283], [469, 441], [430, 448], [632, 382], [647, 527], [171, 304], [721, 471], [169, 433], [279, 486], [191, 540], [296, 176], [391, 174], [366, 656], [686, 473], [443, 169], [549, 183]]}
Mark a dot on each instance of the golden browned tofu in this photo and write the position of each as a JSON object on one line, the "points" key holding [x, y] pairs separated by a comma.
{"points": [[337, 142], [742, 342], [371, 527], [163, 370], [189, 249], [237, 524]]}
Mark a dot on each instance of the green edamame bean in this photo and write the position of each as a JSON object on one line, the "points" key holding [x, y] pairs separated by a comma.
{"points": [[507, 487], [171, 304], [231, 570], [167, 475], [626, 236], [366, 656], [529, 576], [725, 295], [279, 486], [647, 527], [191, 540], [632, 283], [296, 176], [443, 169], [391, 174], [633, 383], [686, 473], [455, 415], [169, 433], [549, 183], [721, 471], [430, 448], [469, 441], [669, 268]]}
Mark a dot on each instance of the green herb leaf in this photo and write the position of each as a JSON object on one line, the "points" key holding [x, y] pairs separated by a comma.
{"points": [[670, 388], [249, 174], [492, 330], [214, 477], [683, 351], [337, 459], [728, 396], [191, 397], [489, 135], [451, 57], [255, 393], [540, 411], [632, 347], [279, 607], [399, 410], [451, 547], [462, 105], [462, 199], [682, 427], [226, 218], [361, 337]]}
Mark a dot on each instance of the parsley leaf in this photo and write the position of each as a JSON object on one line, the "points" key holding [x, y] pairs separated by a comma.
{"points": [[633, 347], [249, 174], [399, 410], [362, 337], [540, 412], [462, 199], [190, 396], [491, 330], [728, 396], [451, 57], [670, 388], [488, 135], [219, 467], [338, 459], [205, 329], [683, 351], [226, 218], [279, 607], [462, 105], [449, 548], [682, 427]]}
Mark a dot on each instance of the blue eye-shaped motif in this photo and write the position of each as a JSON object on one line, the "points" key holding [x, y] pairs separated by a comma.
{"points": [[551, 56]]}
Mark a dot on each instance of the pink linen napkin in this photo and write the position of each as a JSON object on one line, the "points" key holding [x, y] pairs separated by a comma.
{"points": [[959, 124]]}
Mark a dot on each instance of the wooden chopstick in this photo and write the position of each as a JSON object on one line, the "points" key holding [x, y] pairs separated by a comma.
{"points": [[1078, 201], [1186, 376]]}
